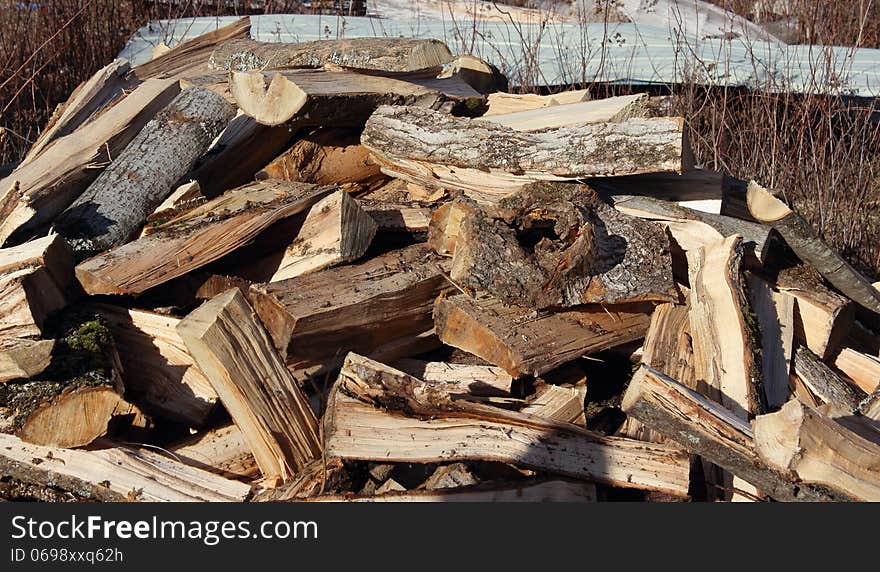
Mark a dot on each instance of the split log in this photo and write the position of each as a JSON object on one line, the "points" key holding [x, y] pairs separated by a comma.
{"points": [[810, 248], [239, 153], [223, 451], [526, 342], [329, 156], [476, 380], [822, 317], [185, 197], [775, 313], [862, 369], [557, 403], [78, 398], [337, 98], [450, 476], [159, 374], [449, 430], [610, 110], [445, 225], [196, 238], [22, 359], [817, 450], [357, 307], [382, 54], [755, 236], [101, 91], [725, 334], [593, 254], [501, 103], [668, 348], [114, 207], [488, 161], [552, 490], [705, 428], [236, 355], [40, 189], [115, 474], [391, 217], [335, 231], [825, 384], [316, 479], [191, 58], [33, 280]]}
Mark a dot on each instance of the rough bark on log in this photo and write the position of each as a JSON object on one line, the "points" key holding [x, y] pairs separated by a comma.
{"points": [[610, 110], [707, 429], [335, 231], [329, 156], [159, 374], [755, 236], [817, 450], [114, 207], [115, 474], [725, 333], [488, 161], [824, 383], [33, 279], [236, 355], [523, 341], [40, 189], [810, 248], [223, 451], [21, 359], [320, 316], [383, 54], [559, 245], [340, 99], [191, 58], [196, 237], [359, 428]]}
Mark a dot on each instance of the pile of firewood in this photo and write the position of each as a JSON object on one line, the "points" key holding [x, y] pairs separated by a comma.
{"points": [[369, 274]]}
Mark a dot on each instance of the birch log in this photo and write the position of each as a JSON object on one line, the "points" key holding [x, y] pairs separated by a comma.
{"points": [[114, 207]]}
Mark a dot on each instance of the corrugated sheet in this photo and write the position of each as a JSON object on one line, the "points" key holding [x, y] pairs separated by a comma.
{"points": [[556, 54]]}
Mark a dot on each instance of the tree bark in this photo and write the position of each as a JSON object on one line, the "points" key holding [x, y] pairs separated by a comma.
{"points": [[113, 208], [196, 237], [41, 188], [825, 384], [705, 428], [488, 161], [383, 54]]}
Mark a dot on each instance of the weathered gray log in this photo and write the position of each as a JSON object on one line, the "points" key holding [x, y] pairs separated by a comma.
{"points": [[824, 383], [799, 235], [489, 161], [578, 250], [707, 429], [113, 208], [383, 54]]}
